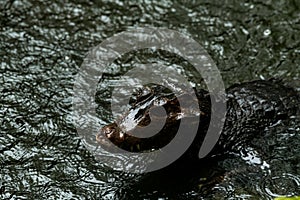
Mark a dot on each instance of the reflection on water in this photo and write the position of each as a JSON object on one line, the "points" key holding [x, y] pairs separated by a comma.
{"points": [[43, 43]]}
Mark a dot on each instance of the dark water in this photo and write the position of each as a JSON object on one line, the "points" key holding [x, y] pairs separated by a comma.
{"points": [[42, 45]]}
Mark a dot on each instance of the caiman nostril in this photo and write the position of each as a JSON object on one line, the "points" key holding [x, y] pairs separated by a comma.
{"points": [[106, 131], [109, 131]]}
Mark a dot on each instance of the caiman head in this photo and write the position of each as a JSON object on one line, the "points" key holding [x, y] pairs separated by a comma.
{"points": [[153, 120]]}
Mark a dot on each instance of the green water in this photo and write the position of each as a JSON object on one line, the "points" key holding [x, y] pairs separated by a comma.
{"points": [[42, 45]]}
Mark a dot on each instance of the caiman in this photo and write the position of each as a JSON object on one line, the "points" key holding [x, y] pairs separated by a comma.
{"points": [[251, 107]]}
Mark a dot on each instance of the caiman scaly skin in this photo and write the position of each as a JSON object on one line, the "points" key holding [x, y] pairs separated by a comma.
{"points": [[251, 107]]}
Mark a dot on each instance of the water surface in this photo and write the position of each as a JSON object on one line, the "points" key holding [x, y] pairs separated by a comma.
{"points": [[42, 45]]}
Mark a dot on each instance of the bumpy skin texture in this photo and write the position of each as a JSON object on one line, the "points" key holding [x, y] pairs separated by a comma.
{"points": [[254, 106], [251, 107]]}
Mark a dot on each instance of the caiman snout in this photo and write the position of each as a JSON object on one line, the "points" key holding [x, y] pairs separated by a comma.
{"points": [[111, 132]]}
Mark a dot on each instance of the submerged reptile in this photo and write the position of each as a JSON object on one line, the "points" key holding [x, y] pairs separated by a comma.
{"points": [[251, 107]]}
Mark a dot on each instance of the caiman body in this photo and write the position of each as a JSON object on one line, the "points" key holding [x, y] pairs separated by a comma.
{"points": [[251, 107]]}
